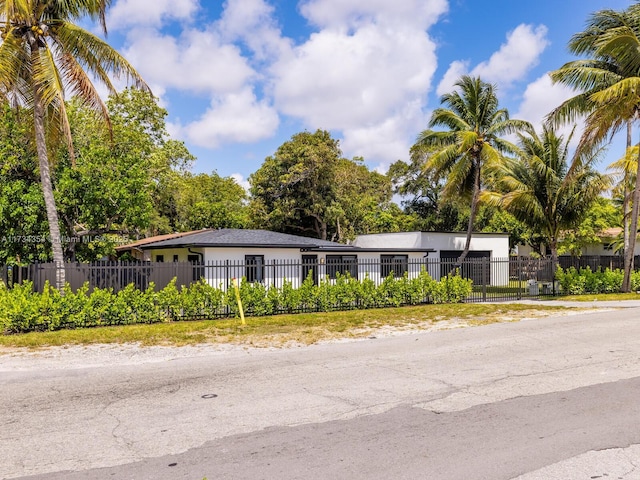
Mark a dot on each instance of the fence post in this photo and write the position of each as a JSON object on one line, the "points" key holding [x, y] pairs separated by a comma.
{"points": [[483, 273], [519, 266]]}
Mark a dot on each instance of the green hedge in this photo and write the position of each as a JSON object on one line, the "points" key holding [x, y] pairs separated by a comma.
{"points": [[25, 311], [577, 282]]}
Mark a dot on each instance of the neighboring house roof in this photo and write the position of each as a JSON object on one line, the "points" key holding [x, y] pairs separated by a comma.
{"points": [[230, 237], [612, 232], [143, 241]]}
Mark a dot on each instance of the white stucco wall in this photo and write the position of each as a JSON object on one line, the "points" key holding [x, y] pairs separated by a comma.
{"points": [[283, 263], [496, 243]]}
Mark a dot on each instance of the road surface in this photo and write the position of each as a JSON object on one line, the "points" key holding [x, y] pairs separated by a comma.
{"points": [[536, 399]]}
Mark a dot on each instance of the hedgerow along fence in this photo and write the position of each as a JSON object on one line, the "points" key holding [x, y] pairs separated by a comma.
{"points": [[493, 279]]}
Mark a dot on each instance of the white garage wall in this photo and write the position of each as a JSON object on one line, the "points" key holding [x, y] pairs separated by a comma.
{"points": [[496, 243]]}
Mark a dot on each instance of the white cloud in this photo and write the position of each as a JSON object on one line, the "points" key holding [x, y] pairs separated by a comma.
{"points": [[197, 61], [360, 81], [516, 57], [150, 13], [355, 13], [252, 22], [365, 73], [387, 141], [240, 180], [236, 117], [453, 74], [540, 97]]}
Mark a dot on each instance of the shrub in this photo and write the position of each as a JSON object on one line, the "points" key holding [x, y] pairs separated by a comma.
{"points": [[200, 300], [578, 282], [20, 309], [366, 293], [24, 311], [451, 289]]}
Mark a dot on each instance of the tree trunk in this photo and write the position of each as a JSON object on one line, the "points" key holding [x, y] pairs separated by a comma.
{"points": [[47, 190], [625, 197], [553, 246], [633, 231], [323, 230], [472, 214]]}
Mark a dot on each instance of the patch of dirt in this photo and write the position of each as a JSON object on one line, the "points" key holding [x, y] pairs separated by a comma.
{"points": [[104, 355]]}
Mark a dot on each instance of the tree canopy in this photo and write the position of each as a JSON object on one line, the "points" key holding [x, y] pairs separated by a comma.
{"points": [[308, 188]]}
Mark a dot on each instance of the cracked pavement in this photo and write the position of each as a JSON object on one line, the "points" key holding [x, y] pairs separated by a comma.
{"points": [[545, 398]]}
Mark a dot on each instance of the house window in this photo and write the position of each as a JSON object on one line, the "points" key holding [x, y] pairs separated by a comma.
{"points": [[175, 258], [342, 264], [254, 268], [310, 266], [398, 264], [159, 258]]}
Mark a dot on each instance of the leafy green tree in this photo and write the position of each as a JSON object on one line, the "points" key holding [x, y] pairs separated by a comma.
{"points": [[474, 125], [602, 215], [608, 82], [497, 220], [308, 188], [112, 192], [293, 190], [208, 201], [363, 202], [106, 195], [43, 53], [422, 199], [543, 190], [110, 195], [139, 129], [23, 222]]}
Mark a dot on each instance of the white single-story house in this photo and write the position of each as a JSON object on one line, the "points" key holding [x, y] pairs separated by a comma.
{"points": [[271, 257], [261, 255]]}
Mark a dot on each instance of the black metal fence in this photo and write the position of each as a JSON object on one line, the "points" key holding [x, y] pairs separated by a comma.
{"points": [[595, 262], [493, 279]]}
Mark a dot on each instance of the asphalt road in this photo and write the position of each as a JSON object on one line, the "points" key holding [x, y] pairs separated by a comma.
{"points": [[536, 399]]}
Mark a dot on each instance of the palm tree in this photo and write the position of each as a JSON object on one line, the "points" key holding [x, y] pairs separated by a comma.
{"points": [[42, 55], [472, 139], [544, 191], [609, 85]]}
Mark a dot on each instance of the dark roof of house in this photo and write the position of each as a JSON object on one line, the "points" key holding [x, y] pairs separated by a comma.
{"points": [[231, 237]]}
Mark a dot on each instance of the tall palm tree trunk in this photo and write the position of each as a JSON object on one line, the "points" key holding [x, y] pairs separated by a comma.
{"points": [[553, 246], [633, 232], [472, 213], [625, 197], [47, 190]]}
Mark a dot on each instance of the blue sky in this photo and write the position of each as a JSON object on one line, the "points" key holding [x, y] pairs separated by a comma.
{"points": [[239, 77]]}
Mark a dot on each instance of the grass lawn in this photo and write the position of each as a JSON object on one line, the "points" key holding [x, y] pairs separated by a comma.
{"points": [[279, 330], [603, 297]]}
